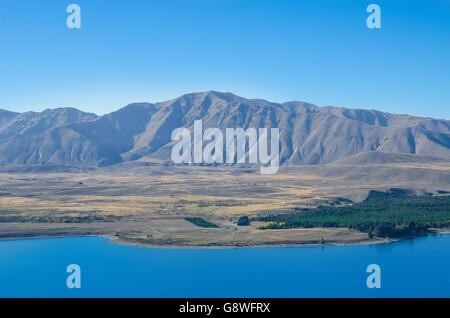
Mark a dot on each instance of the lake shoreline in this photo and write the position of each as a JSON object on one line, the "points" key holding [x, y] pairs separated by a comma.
{"points": [[124, 242], [119, 241]]}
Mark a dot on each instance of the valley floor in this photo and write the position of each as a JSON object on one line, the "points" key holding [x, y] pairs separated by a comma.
{"points": [[147, 204]]}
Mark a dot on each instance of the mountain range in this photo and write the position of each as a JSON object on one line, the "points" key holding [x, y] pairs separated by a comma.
{"points": [[309, 134]]}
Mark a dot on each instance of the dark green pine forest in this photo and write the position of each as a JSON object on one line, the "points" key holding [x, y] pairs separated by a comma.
{"points": [[381, 214]]}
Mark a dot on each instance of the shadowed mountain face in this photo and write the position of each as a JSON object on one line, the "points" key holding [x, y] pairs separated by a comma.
{"points": [[308, 134]]}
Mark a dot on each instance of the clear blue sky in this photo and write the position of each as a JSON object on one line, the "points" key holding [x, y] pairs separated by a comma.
{"points": [[319, 51]]}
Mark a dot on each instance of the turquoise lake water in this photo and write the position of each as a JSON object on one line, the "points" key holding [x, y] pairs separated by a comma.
{"points": [[37, 268]]}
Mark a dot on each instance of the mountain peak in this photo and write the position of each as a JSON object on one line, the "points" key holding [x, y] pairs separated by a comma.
{"points": [[212, 95]]}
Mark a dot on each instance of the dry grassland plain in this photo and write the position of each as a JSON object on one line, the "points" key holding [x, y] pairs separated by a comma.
{"points": [[146, 204]]}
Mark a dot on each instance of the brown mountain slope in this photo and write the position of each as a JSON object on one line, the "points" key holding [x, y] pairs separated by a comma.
{"points": [[308, 134]]}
